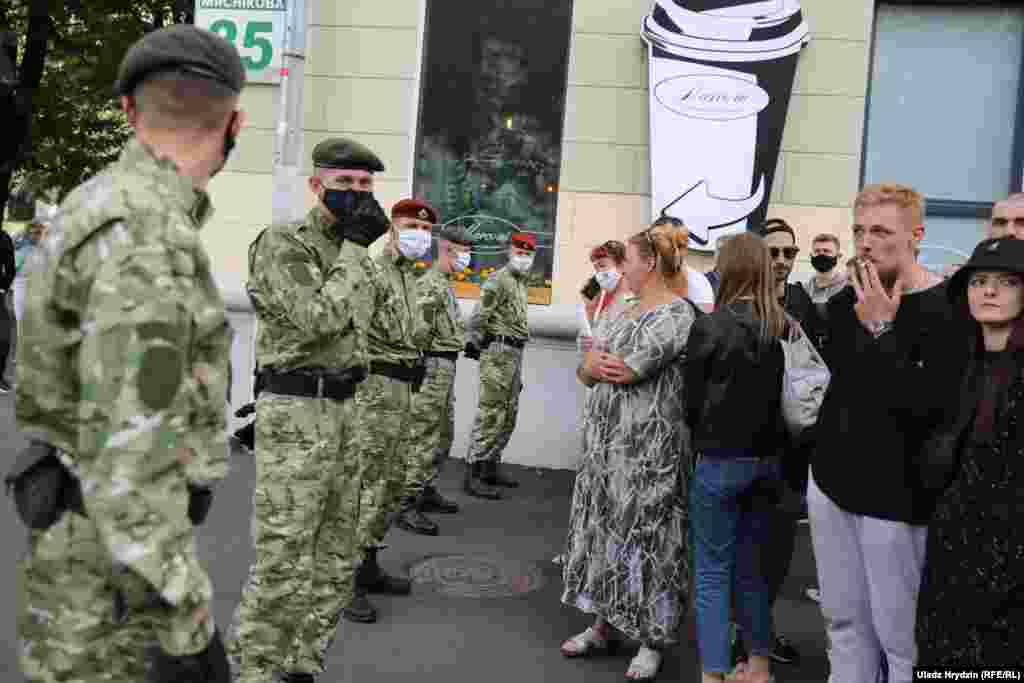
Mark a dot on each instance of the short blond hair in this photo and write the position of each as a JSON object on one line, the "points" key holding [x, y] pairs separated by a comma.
{"points": [[892, 193]]}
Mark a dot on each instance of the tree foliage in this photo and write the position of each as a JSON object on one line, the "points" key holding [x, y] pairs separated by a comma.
{"points": [[67, 123]]}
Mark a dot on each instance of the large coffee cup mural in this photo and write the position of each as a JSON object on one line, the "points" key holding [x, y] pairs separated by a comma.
{"points": [[721, 77]]}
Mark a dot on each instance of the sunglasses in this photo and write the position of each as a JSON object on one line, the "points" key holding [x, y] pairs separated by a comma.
{"points": [[788, 252]]}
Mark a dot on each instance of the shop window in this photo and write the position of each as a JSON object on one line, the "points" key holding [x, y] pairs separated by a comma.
{"points": [[945, 114], [492, 105]]}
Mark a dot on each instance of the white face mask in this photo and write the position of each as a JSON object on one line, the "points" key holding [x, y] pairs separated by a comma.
{"points": [[521, 263], [461, 261], [413, 243], [608, 279]]}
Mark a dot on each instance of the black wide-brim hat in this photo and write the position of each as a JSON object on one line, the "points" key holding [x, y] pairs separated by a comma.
{"points": [[1002, 253]]}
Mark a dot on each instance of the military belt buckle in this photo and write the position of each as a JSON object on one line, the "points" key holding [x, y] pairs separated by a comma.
{"points": [[320, 383]]}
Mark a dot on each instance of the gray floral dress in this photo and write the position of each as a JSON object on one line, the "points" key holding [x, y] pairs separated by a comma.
{"points": [[627, 556]]}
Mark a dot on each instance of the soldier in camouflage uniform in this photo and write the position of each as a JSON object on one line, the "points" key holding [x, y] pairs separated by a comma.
{"points": [[385, 398], [123, 367], [432, 425], [496, 335], [308, 285]]}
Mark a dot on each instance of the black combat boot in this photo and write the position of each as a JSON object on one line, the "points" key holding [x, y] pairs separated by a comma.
{"points": [[433, 501], [360, 610], [371, 577], [412, 519], [494, 478], [296, 678], [474, 485]]}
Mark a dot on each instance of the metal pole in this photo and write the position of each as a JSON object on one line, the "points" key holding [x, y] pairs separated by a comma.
{"points": [[287, 166]]}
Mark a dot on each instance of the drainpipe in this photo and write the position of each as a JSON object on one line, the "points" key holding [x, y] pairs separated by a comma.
{"points": [[287, 201]]}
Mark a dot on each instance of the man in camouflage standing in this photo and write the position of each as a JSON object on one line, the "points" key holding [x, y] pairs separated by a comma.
{"points": [[385, 398], [308, 285], [497, 334], [123, 375], [432, 427]]}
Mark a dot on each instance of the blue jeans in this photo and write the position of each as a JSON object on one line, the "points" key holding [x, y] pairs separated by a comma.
{"points": [[731, 502]]}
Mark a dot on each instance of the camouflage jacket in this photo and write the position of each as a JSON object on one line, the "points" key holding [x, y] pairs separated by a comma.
{"points": [[394, 324], [311, 294], [123, 360], [501, 309], [442, 329]]}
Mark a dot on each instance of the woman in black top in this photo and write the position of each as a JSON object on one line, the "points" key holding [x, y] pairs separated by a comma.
{"points": [[734, 373], [970, 611]]}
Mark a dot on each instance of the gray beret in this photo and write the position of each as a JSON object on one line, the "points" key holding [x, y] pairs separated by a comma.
{"points": [[457, 234], [181, 48], [343, 153]]}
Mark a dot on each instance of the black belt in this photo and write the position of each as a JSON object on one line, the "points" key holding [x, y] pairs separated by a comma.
{"points": [[337, 388], [403, 373], [453, 356], [514, 342]]}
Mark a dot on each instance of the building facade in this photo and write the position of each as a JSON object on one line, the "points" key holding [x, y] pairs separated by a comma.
{"points": [[926, 94]]}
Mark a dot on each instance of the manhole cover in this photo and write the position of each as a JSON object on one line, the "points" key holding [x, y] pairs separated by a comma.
{"points": [[474, 576]]}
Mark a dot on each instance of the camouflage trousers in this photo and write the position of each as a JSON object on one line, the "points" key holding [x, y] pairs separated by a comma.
{"points": [[431, 427], [501, 381], [306, 507], [68, 626], [385, 411]]}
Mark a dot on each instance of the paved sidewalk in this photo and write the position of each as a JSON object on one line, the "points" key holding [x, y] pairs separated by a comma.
{"points": [[431, 636]]}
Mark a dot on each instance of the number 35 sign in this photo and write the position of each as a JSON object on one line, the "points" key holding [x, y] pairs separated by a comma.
{"points": [[255, 27]]}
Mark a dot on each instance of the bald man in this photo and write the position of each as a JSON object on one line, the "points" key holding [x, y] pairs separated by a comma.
{"points": [[1008, 217]]}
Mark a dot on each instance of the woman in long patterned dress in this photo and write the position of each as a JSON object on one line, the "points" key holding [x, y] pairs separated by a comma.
{"points": [[627, 559], [970, 611]]}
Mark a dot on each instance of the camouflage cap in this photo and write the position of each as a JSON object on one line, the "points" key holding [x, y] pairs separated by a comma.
{"points": [[343, 153], [182, 48], [457, 234]]}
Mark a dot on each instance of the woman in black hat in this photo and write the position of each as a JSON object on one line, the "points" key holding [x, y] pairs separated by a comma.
{"points": [[970, 611]]}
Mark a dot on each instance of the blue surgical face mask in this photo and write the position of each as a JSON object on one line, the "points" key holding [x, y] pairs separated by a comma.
{"points": [[461, 261], [608, 279], [413, 243]]}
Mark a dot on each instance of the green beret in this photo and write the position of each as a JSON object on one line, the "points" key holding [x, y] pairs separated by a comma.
{"points": [[457, 234], [343, 153], [185, 49]]}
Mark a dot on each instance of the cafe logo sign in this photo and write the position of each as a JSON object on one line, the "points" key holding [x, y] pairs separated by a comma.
{"points": [[712, 98]]}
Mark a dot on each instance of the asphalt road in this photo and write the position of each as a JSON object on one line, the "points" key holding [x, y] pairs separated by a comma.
{"points": [[433, 636]]}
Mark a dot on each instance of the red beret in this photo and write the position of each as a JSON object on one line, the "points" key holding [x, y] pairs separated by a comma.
{"points": [[414, 208], [524, 241], [599, 252]]}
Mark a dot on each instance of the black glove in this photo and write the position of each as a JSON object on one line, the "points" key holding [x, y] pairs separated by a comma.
{"points": [[246, 410], [472, 351], [365, 223], [246, 435], [209, 666], [200, 500]]}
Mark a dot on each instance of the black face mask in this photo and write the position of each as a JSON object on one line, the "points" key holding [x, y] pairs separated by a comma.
{"points": [[229, 143], [343, 203], [823, 263]]}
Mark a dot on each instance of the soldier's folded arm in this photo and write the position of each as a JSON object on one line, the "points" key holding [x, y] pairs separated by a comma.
{"points": [[288, 282], [138, 438]]}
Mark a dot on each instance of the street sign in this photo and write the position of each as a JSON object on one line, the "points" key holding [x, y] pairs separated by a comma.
{"points": [[255, 27]]}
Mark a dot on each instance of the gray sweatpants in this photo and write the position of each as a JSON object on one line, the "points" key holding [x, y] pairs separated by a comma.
{"points": [[869, 571]]}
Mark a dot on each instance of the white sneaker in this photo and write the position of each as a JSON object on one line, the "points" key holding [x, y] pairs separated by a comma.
{"points": [[645, 666]]}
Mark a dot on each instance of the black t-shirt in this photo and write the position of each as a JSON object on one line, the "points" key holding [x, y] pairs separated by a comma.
{"points": [[886, 395]]}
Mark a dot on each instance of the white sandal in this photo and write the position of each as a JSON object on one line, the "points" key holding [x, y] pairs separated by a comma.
{"points": [[588, 642], [645, 666]]}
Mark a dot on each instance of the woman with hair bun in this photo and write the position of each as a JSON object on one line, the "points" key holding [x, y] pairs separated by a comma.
{"points": [[627, 556]]}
